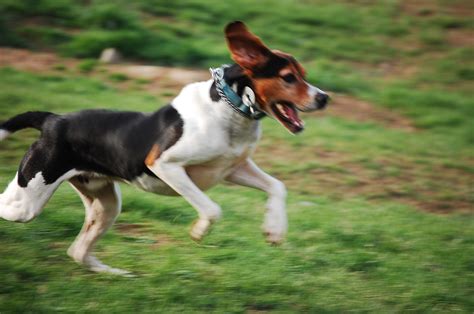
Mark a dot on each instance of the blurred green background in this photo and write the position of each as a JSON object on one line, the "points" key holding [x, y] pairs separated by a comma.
{"points": [[380, 185]]}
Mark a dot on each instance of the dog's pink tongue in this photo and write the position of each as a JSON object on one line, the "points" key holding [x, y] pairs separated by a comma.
{"points": [[293, 116]]}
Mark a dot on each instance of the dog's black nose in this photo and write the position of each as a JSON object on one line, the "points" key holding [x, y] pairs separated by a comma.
{"points": [[321, 100]]}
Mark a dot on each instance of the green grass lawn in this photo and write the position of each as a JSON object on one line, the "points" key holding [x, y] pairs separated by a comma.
{"points": [[380, 217], [345, 252]]}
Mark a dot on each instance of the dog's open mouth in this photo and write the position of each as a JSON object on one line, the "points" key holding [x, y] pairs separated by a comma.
{"points": [[287, 115]]}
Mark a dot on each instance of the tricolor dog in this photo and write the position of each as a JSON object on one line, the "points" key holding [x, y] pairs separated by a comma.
{"points": [[206, 135]]}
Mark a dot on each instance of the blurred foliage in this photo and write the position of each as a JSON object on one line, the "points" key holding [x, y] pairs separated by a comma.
{"points": [[87, 65], [158, 30]]}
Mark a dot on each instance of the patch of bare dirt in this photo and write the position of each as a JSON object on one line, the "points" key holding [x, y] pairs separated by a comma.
{"points": [[434, 188], [154, 76], [419, 8], [397, 70], [162, 76], [26, 60], [142, 231], [461, 8], [162, 240], [461, 37], [167, 81], [132, 229], [394, 69], [351, 108], [426, 8]]}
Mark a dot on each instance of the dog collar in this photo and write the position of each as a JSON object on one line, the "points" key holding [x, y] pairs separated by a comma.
{"points": [[247, 107]]}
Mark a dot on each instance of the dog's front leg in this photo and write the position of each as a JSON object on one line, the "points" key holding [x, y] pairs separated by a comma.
{"points": [[275, 224], [176, 177]]}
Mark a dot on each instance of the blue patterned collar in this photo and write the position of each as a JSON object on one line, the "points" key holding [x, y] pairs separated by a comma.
{"points": [[246, 105]]}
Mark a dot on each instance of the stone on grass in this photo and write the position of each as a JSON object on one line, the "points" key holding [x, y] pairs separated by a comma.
{"points": [[110, 55]]}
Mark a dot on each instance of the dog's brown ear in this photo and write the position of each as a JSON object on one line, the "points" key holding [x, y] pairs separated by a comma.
{"points": [[246, 48]]}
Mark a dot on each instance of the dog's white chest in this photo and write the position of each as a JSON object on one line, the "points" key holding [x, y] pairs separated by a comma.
{"points": [[208, 174], [204, 175]]}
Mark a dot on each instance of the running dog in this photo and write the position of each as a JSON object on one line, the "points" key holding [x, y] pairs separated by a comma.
{"points": [[206, 135]]}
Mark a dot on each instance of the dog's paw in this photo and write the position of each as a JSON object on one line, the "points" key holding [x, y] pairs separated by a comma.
{"points": [[97, 266], [112, 271], [199, 229], [275, 230], [274, 238]]}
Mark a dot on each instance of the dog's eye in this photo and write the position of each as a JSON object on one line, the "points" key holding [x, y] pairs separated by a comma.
{"points": [[289, 78]]}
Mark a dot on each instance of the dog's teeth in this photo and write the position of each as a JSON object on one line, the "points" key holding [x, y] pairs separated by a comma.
{"points": [[282, 110]]}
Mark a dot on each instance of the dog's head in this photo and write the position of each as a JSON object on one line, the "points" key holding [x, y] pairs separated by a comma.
{"points": [[278, 79]]}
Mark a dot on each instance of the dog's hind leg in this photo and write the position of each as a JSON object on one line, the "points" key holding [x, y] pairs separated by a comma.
{"points": [[102, 202], [23, 204], [34, 183]]}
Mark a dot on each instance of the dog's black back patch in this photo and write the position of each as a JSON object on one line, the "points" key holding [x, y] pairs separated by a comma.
{"points": [[107, 142]]}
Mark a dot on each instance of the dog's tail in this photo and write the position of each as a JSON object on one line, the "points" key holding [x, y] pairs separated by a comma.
{"points": [[30, 119]]}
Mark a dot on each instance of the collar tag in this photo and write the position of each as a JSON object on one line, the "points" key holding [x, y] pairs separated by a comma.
{"points": [[248, 97]]}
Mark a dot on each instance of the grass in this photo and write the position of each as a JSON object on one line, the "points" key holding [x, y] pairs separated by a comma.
{"points": [[87, 66], [337, 260], [344, 252], [380, 218], [118, 77]]}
